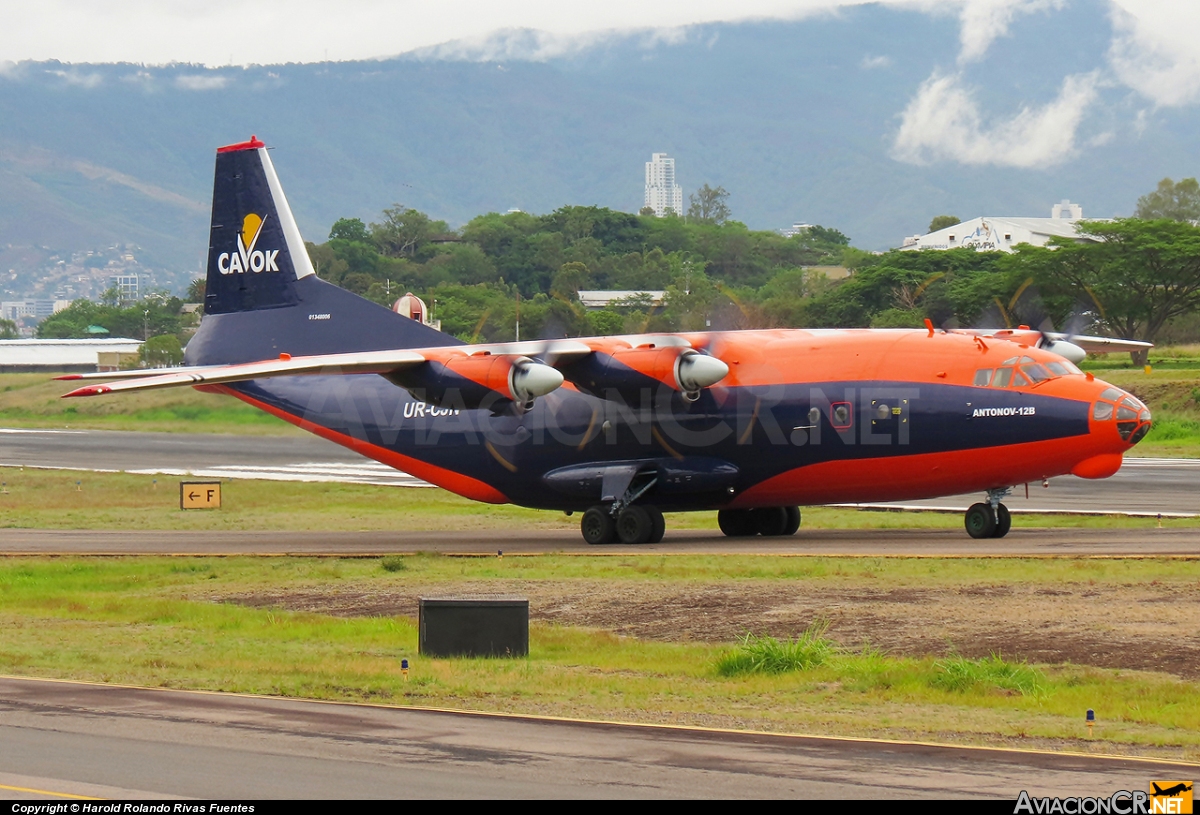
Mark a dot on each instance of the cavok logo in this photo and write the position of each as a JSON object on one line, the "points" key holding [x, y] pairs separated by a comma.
{"points": [[247, 258], [1170, 797]]}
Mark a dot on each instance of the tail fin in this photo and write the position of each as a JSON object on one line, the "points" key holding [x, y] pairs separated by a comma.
{"points": [[255, 252], [262, 296]]}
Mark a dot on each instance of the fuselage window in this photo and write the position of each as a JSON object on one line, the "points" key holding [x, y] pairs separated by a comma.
{"points": [[840, 415], [1003, 377], [982, 377]]}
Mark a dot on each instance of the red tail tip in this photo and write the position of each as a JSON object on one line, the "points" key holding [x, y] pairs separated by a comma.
{"points": [[253, 144]]}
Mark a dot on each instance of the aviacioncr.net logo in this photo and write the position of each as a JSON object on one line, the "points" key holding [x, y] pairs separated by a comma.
{"points": [[247, 258]]}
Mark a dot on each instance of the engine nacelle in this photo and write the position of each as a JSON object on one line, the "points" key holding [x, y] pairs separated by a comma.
{"points": [[481, 380], [637, 374]]}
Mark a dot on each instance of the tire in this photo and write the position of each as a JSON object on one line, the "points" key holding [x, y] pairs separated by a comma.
{"points": [[634, 525], [597, 526], [793, 520], [658, 524], [770, 522], [1003, 521], [736, 523], [980, 521]]}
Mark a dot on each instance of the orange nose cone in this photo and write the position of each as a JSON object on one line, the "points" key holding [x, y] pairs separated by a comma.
{"points": [[1101, 466]]}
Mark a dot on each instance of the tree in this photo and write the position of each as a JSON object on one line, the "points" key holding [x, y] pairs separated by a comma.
{"points": [[1179, 202], [943, 221], [349, 229], [160, 351], [707, 206], [9, 330], [646, 211], [1135, 278], [196, 290], [404, 230]]}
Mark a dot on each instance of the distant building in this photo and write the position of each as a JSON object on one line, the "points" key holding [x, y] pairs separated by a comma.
{"points": [[662, 193], [795, 229], [603, 299], [66, 356], [992, 234], [126, 285], [414, 308]]}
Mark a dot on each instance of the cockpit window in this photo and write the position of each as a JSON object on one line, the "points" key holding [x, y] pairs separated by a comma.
{"points": [[982, 377], [1019, 381], [1059, 369], [1112, 394], [1102, 412], [1003, 377], [1035, 372], [1010, 361], [1125, 413]]}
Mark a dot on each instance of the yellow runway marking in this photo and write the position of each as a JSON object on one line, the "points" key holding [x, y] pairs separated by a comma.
{"points": [[49, 792]]}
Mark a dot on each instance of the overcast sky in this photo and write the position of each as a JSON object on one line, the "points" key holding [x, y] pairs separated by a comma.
{"points": [[1155, 50]]}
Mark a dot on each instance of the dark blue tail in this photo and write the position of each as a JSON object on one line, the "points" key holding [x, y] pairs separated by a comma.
{"points": [[262, 297]]}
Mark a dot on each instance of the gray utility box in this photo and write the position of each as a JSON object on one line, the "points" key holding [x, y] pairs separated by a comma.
{"points": [[470, 627]]}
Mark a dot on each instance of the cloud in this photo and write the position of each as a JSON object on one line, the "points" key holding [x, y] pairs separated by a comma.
{"points": [[875, 62], [73, 77], [983, 21], [943, 123], [201, 82], [1156, 53]]}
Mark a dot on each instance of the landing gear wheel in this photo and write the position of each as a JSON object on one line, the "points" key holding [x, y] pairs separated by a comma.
{"points": [[793, 520], [736, 523], [597, 526], [658, 524], [770, 522], [634, 525], [980, 521], [1003, 521]]}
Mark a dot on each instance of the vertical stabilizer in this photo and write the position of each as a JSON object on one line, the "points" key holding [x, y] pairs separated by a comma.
{"points": [[255, 252]]}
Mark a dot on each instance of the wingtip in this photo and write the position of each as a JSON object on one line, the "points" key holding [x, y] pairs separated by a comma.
{"points": [[69, 376], [90, 390]]}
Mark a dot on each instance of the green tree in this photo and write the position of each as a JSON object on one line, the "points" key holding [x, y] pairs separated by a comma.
{"points": [[943, 221], [646, 211], [1179, 202], [196, 289], [349, 229], [160, 352], [707, 206], [9, 330], [404, 231], [1136, 277]]}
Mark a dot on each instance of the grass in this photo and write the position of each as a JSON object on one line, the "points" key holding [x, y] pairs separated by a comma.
{"points": [[768, 655], [158, 622], [67, 499], [961, 674], [34, 400]]}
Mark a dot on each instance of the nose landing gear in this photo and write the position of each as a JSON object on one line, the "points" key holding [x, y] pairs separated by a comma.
{"points": [[991, 519]]}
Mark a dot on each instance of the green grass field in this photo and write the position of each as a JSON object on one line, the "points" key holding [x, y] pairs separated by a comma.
{"points": [[168, 622]]}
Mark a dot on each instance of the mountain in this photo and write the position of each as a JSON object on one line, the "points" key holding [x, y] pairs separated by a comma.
{"points": [[797, 120]]}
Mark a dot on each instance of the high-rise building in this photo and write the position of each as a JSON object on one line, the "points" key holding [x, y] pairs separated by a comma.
{"points": [[662, 193]]}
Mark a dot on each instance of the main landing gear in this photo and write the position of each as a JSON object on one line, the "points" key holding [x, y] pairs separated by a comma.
{"points": [[766, 521], [636, 523], [991, 519]]}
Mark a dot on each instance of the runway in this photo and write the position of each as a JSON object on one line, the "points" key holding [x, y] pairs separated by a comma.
{"points": [[61, 738], [1143, 486]]}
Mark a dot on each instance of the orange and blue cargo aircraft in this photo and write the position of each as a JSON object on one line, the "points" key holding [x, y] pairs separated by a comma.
{"points": [[750, 424]]}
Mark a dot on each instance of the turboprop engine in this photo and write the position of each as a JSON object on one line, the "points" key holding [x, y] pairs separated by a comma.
{"points": [[636, 374], [482, 380]]}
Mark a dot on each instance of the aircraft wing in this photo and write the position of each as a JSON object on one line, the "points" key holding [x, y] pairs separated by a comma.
{"points": [[667, 357]]}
